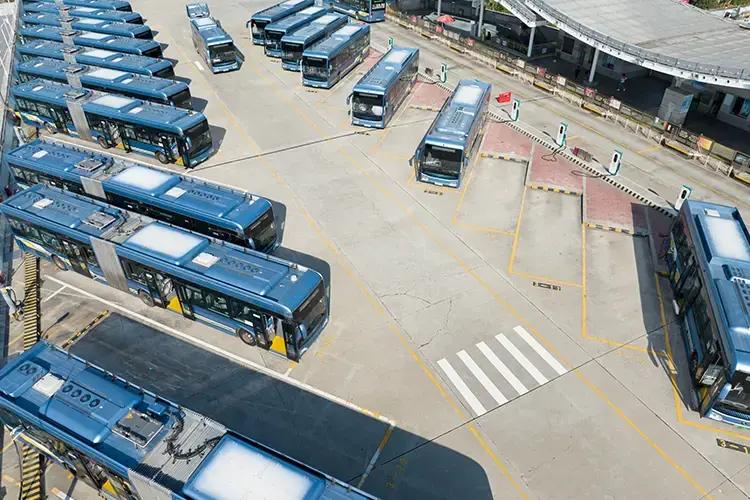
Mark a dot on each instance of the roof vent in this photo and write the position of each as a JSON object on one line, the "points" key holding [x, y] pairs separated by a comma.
{"points": [[74, 68], [21, 379], [71, 50], [90, 164], [99, 220], [75, 94]]}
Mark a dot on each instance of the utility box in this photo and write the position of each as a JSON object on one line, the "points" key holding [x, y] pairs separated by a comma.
{"points": [[675, 105]]}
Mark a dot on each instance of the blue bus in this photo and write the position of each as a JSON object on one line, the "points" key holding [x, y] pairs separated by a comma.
{"points": [[370, 11], [62, 10], [171, 135], [126, 30], [220, 212], [214, 44], [131, 444], [100, 58], [378, 95], [149, 48], [453, 139], [276, 31], [263, 300], [331, 59], [709, 268], [120, 5], [258, 22], [293, 44], [148, 88]]}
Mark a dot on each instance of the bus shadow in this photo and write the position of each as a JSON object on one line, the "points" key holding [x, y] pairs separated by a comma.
{"points": [[307, 260], [184, 80], [199, 104], [336, 439], [217, 136], [175, 62], [239, 54], [279, 217]]}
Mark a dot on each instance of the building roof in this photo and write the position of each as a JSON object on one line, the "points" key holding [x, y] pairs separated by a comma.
{"points": [[666, 35]]}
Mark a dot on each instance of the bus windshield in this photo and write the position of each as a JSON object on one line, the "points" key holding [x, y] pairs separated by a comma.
{"points": [[273, 38], [263, 231], [738, 397], [312, 311], [291, 52], [257, 27], [368, 106], [222, 53], [199, 136], [442, 161], [182, 99], [315, 68]]}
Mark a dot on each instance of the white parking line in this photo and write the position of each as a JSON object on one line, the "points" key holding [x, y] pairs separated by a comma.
{"points": [[54, 293], [198, 63], [541, 351], [483, 378], [61, 495], [238, 359], [528, 365], [504, 370], [462, 387]]}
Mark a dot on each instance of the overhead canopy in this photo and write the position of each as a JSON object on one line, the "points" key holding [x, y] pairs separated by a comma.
{"points": [[666, 35]]}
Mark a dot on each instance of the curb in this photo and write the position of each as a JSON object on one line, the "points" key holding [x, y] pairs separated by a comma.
{"points": [[423, 108], [615, 229], [554, 190], [506, 157]]}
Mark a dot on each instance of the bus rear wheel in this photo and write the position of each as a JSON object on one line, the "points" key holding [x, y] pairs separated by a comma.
{"points": [[247, 337], [162, 157], [59, 263], [103, 142], [146, 298], [50, 128]]}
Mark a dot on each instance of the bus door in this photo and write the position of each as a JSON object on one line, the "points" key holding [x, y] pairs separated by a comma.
{"points": [[169, 146], [264, 327], [707, 393], [77, 257], [292, 333], [183, 304], [160, 288]]}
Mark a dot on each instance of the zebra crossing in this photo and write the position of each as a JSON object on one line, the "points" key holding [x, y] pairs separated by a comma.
{"points": [[494, 372]]}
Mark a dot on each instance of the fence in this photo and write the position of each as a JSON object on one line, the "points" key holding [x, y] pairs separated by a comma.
{"points": [[695, 146]]}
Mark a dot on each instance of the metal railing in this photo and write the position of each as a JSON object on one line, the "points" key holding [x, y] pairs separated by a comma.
{"points": [[701, 148]]}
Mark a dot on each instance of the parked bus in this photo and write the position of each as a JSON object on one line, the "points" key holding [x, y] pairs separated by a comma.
{"points": [[94, 4], [222, 213], [126, 30], [194, 10], [261, 19], [133, 63], [709, 269], [293, 44], [67, 10], [148, 88], [370, 11], [171, 135], [149, 48], [131, 444], [331, 59], [263, 300], [276, 31], [214, 44], [453, 139], [378, 95]]}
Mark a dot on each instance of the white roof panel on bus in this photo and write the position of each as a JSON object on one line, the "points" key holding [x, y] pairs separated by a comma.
{"points": [[236, 470], [109, 74], [728, 238], [142, 178], [93, 36], [90, 21], [328, 18], [113, 101], [100, 53], [85, 9], [292, 2], [396, 57], [468, 95], [347, 30], [203, 21], [311, 10], [165, 240]]}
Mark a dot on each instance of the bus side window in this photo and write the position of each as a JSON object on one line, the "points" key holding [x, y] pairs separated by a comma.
{"points": [[51, 240], [241, 311], [133, 271], [128, 131]]}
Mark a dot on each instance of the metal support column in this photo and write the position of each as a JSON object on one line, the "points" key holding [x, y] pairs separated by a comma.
{"points": [[481, 19], [592, 73], [531, 41], [439, 6]]}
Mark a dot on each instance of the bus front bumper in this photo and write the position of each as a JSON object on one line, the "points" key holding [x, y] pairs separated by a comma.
{"points": [[367, 123], [315, 83], [275, 53], [223, 69], [201, 157], [290, 66], [439, 181]]}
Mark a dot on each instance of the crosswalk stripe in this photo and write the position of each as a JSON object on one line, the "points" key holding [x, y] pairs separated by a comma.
{"points": [[513, 350], [541, 351], [462, 387], [504, 370], [483, 378]]}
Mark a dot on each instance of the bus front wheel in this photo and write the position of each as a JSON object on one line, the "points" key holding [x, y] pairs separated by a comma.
{"points": [[51, 129], [103, 142], [146, 298], [162, 157], [59, 263], [247, 337]]}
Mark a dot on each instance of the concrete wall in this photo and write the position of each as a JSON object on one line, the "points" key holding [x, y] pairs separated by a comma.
{"points": [[614, 67]]}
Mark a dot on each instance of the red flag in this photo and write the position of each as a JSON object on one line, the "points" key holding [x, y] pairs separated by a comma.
{"points": [[504, 97]]}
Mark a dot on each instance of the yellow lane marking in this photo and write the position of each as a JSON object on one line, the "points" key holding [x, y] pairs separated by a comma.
{"points": [[375, 456], [550, 280], [404, 107], [653, 148], [377, 306], [733, 200], [518, 231], [482, 228]]}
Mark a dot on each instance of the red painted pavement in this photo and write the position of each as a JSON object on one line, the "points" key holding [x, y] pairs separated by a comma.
{"points": [[426, 94], [610, 206], [502, 139], [554, 172]]}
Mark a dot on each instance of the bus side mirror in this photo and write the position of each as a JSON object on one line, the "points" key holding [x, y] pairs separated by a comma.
{"points": [[301, 333], [348, 99], [411, 161]]}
